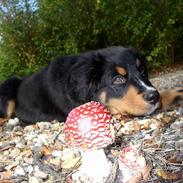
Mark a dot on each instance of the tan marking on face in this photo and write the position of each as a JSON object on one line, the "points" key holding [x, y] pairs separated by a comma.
{"points": [[132, 103], [121, 70], [102, 97], [10, 108]]}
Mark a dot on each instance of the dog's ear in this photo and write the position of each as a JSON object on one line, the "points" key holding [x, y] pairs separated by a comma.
{"points": [[97, 73], [168, 97], [85, 81]]}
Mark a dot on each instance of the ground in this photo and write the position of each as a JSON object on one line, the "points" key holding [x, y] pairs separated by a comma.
{"points": [[37, 153]]}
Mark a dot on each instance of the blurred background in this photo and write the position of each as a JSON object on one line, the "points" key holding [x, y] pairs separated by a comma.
{"points": [[32, 32]]}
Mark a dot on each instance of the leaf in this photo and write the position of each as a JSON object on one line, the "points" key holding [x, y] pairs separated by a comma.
{"points": [[70, 163], [176, 158], [3, 120], [45, 150], [7, 174], [169, 175]]}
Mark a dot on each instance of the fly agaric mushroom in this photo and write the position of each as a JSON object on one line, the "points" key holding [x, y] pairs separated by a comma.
{"points": [[89, 128], [132, 165]]}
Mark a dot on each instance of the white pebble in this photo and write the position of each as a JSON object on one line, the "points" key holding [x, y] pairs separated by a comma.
{"points": [[13, 122], [178, 124], [6, 153], [20, 145], [39, 173], [14, 164], [57, 154], [16, 120], [44, 125], [28, 160], [19, 171], [30, 169], [34, 180], [29, 128], [56, 127], [67, 153], [15, 152], [153, 126], [43, 137]]}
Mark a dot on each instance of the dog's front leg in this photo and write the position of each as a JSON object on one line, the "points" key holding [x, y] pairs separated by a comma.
{"points": [[168, 97]]}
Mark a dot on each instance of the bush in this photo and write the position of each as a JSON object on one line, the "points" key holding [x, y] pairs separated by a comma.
{"points": [[33, 32]]}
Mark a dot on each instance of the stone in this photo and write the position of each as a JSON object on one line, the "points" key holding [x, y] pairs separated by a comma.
{"points": [[43, 126], [34, 180], [6, 174], [1, 157], [28, 160], [19, 171], [70, 163], [15, 152], [30, 136], [13, 122], [29, 128], [14, 164], [56, 127], [6, 153], [57, 154], [56, 162], [29, 169], [39, 173], [43, 137], [68, 153], [178, 124], [20, 144]]}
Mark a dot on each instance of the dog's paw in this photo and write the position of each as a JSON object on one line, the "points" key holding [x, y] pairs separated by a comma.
{"points": [[168, 97]]}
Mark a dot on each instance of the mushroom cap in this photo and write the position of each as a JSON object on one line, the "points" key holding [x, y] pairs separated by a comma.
{"points": [[89, 126], [131, 157]]}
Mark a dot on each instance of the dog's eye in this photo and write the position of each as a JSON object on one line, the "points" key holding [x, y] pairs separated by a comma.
{"points": [[118, 80]]}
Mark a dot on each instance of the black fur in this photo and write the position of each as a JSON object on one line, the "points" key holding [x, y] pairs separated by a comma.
{"points": [[68, 82]]}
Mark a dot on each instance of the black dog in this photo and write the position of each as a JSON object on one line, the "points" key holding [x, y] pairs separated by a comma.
{"points": [[114, 76]]}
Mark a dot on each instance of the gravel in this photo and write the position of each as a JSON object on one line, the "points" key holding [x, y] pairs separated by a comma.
{"points": [[168, 81]]}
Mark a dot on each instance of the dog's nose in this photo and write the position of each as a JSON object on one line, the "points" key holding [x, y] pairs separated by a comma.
{"points": [[152, 97]]}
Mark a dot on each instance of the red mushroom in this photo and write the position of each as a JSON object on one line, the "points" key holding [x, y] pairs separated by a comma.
{"points": [[132, 165], [89, 128]]}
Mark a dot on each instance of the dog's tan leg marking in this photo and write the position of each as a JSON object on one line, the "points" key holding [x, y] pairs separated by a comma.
{"points": [[9, 111], [169, 96], [10, 108]]}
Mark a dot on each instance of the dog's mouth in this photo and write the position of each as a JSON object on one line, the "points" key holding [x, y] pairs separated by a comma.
{"points": [[152, 109]]}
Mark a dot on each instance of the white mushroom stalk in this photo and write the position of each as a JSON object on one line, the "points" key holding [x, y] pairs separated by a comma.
{"points": [[95, 165], [89, 128]]}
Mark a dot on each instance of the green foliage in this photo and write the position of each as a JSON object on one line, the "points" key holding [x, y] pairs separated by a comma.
{"points": [[34, 32]]}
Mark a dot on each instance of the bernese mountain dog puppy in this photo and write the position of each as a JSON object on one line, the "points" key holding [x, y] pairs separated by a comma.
{"points": [[114, 76]]}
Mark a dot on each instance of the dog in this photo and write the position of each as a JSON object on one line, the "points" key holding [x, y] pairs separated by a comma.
{"points": [[116, 77]]}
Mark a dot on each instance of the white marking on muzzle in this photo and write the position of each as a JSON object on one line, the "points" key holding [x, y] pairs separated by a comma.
{"points": [[147, 87]]}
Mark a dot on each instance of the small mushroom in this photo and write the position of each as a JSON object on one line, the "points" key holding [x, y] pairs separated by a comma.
{"points": [[89, 128], [132, 165]]}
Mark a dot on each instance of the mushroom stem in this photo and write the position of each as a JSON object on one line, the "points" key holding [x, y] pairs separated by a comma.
{"points": [[95, 165]]}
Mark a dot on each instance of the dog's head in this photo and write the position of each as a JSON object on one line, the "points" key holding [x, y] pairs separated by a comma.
{"points": [[124, 86]]}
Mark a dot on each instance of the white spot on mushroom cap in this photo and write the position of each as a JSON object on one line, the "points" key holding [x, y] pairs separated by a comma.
{"points": [[85, 125]]}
